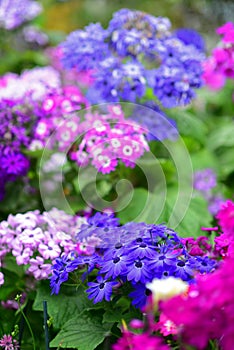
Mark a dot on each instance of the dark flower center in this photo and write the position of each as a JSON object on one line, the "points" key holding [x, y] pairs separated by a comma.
{"points": [[118, 245], [162, 257], [102, 285], [181, 264], [138, 264], [143, 245], [116, 260]]}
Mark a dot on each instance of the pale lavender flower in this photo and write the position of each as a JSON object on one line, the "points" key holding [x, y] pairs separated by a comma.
{"points": [[14, 13]]}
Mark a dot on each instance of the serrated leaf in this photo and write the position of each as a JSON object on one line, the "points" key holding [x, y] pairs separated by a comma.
{"points": [[62, 307], [112, 315], [84, 332]]}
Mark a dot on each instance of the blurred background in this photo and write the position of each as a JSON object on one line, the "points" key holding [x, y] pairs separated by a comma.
{"points": [[202, 15], [60, 17]]}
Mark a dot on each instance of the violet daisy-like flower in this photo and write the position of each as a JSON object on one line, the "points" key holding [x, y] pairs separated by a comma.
{"points": [[139, 295], [138, 270], [15, 164], [102, 289], [8, 343], [114, 267]]}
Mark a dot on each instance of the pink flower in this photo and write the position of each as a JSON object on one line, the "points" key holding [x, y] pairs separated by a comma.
{"points": [[38, 269], [105, 163], [206, 313], [131, 341], [226, 217], [1, 279], [8, 343], [166, 326], [228, 31], [49, 250]]}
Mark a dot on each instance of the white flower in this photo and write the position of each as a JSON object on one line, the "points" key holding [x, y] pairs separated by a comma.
{"points": [[166, 288]]}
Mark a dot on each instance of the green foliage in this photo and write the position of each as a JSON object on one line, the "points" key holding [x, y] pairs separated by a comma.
{"points": [[84, 331], [67, 304]]}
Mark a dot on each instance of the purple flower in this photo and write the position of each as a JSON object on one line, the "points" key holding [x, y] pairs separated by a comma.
{"points": [[138, 270], [102, 289], [114, 267], [190, 37], [139, 295], [158, 125], [103, 220], [84, 49], [135, 53], [14, 164], [13, 13], [61, 269]]}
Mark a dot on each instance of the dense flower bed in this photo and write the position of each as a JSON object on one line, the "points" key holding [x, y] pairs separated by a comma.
{"points": [[116, 187]]}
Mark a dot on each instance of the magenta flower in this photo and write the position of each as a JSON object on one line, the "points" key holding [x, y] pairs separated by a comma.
{"points": [[8, 343], [206, 313], [219, 66], [226, 217], [131, 341]]}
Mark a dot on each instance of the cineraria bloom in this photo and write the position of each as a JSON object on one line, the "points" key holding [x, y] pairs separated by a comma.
{"points": [[105, 139], [36, 240], [225, 217], [199, 246], [131, 341], [102, 289], [205, 182], [134, 253], [219, 66], [191, 37], [135, 52], [159, 126], [30, 115], [224, 245], [33, 35], [8, 343], [165, 326], [13, 13], [206, 312], [34, 83]]}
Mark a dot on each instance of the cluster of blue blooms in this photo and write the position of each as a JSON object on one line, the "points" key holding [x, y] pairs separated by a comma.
{"points": [[138, 52], [135, 253]]}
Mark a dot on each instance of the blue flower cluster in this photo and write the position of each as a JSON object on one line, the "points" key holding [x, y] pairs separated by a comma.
{"points": [[159, 126], [135, 253], [13, 135], [137, 52]]}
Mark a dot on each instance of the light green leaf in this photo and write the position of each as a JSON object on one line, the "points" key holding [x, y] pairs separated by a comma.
{"points": [[222, 136]]}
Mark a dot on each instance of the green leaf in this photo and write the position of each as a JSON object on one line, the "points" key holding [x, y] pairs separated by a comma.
{"points": [[11, 265], [205, 159], [113, 315], [226, 161], [189, 125], [142, 207], [222, 136], [186, 221], [84, 332], [62, 307]]}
